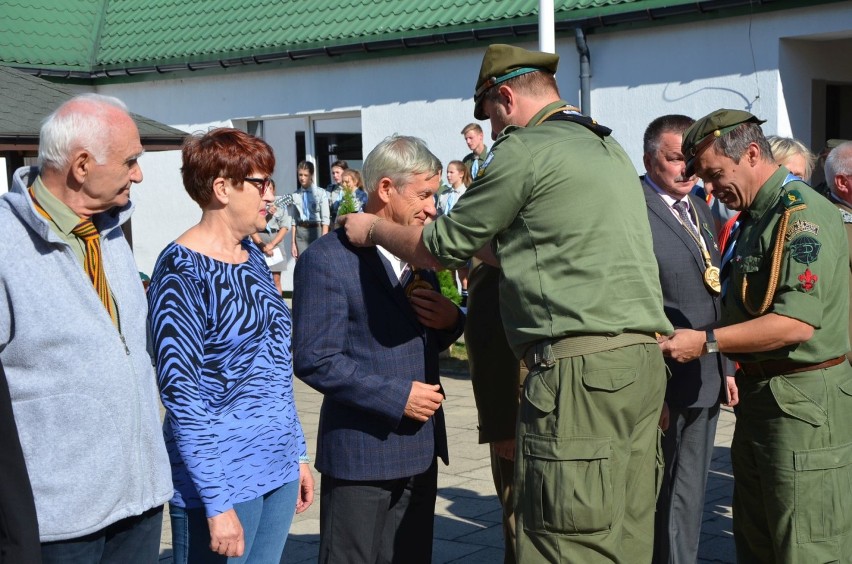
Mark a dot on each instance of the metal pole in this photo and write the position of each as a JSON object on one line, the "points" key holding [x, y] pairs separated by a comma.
{"points": [[546, 27]]}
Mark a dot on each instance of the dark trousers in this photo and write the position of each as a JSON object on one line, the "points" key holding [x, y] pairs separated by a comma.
{"points": [[134, 540], [503, 472], [18, 524], [378, 522], [688, 450]]}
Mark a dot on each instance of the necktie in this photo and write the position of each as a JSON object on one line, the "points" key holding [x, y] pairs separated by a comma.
{"points": [[474, 168], [451, 200], [681, 208], [306, 213], [93, 265]]}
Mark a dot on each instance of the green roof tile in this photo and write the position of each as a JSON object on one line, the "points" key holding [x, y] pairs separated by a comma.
{"points": [[98, 35]]}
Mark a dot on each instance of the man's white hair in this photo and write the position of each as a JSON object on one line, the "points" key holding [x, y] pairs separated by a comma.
{"points": [[839, 161], [81, 122]]}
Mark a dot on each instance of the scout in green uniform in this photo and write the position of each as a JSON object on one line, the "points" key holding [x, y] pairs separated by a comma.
{"points": [[784, 319], [559, 204]]}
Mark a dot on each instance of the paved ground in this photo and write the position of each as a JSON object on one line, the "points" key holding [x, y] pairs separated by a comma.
{"points": [[467, 520]]}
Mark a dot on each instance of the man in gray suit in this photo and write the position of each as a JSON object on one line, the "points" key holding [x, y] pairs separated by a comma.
{"points": [[688, 259]]}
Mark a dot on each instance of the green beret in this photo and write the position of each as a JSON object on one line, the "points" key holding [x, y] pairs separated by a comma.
{"points": [[833, 143], [707, 129], [502, 62]]}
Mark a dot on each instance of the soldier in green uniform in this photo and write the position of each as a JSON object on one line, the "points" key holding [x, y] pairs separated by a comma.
{"points": [[559, 203], [784, 319]]}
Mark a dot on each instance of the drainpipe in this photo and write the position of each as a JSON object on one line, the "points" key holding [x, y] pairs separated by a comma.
{"points": [[585, 71]]}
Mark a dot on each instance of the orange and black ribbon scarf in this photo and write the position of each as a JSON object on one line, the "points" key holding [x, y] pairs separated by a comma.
{"points": [[93, 263]]}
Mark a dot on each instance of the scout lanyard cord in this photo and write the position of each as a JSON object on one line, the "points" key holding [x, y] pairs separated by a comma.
{"points": [[777, 255]]}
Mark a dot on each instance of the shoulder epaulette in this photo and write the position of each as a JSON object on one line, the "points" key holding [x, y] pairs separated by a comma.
{"points": [[793, 199], [847, 217]]}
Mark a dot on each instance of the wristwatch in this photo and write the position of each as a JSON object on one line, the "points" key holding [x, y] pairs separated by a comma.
{"points": [[710, 344]]}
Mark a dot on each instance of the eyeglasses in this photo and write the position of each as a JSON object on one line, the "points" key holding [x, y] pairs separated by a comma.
{"points": [[262, 184]]}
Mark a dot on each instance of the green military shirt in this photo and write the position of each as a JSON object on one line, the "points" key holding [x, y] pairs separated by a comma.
{"points": [[814, 274], [469, 159], [846, 214], [566, 214]]}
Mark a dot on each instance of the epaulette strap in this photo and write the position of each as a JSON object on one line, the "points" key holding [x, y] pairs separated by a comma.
{"points": [[845, 215], [585, 121], [792, 198]]}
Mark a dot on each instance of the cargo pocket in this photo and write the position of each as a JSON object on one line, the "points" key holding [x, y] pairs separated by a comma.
{"points": [[823, 493], [567, 485], [796, 403]]}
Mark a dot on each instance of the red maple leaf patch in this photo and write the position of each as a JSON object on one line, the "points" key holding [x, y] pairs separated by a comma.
{"points": [[808, 280]]}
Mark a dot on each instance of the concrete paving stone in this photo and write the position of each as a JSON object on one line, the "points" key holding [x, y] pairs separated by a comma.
{"points": [[488, 555], [444, 551], [454, 528], [491, 535], [297, 550], [447, 480], [482, 473], [465, 507]]}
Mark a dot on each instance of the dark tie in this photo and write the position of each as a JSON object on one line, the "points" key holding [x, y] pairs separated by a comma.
{"points": [[683, 211], [93, 265]]}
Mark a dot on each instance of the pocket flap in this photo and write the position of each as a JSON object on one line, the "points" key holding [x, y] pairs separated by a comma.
{"points": [[538, 392], [793, 401], [567, 448], [610, 380], [824, 458]]}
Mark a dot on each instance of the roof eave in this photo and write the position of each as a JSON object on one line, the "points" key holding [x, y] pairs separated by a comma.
{"points": [[521, 28]]}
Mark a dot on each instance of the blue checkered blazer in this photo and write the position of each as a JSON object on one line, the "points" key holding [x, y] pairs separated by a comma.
{"points": [[357, 341]]}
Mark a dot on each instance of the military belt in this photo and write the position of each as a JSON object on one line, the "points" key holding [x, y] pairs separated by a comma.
{"points": [[544, 354], [770, 368], [308, 223]]}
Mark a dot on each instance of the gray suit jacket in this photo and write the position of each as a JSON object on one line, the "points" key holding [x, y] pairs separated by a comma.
{"points": [[686, 300]]}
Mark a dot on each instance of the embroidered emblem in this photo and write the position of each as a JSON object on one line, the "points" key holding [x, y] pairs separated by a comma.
{"points": [[801, 226], [485, 164], [847, 217], [808, 280], [804, 249], [792, 198]]}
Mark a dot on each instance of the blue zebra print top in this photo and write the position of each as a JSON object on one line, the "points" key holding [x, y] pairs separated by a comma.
{"points": [[222, 346]]}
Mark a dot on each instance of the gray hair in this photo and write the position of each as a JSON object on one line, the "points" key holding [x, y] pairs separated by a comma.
{"points": [[399, 158], [81, 122], [839, 161], [735, 143], [671, 123]]}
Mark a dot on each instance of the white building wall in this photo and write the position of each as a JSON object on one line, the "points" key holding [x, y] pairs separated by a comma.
{"points": [[753, 63]]}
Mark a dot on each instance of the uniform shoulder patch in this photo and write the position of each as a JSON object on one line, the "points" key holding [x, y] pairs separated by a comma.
{"points": [[792, 198], [804, 249], [801, 226]]}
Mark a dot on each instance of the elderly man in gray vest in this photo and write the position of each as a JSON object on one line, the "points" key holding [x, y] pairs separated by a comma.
{"points": [[73, 341]]}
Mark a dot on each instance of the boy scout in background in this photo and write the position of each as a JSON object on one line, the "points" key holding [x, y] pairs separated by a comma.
{"points": [[580, 300], [784, 319]]}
